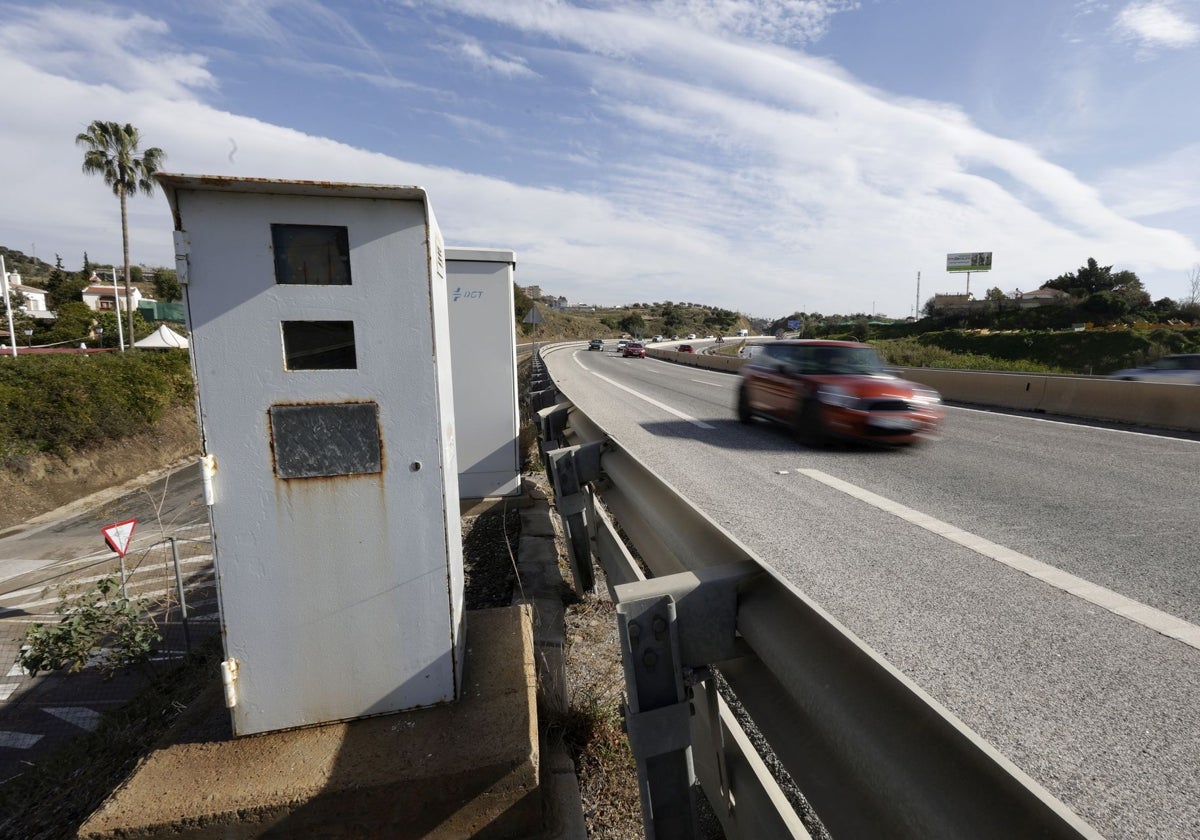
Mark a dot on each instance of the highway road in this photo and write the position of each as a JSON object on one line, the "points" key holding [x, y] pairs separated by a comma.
{"points": [[948, 558]]}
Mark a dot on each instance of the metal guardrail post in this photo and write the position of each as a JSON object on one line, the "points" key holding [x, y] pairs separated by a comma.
{"points": [[551, 424], [542, 392], [671, 629], [658, 717], [570, 469]]}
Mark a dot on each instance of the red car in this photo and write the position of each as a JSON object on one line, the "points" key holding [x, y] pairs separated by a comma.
{"points": [[828, 389], [685, 348], [634, 348]]}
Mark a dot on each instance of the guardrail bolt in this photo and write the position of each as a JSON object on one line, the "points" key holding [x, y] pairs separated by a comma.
{"points": [[635, 633], [649, 659], [660, 626]]}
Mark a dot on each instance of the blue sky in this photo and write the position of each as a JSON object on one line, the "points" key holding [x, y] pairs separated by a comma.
{"points": [[764, 156]]}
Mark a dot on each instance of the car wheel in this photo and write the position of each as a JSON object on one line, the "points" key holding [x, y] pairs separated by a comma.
{"points": [[743, 406], [808, 424]]}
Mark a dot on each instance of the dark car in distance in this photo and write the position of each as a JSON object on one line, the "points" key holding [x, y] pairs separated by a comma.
{"points": [[835, 389], [686, 348], [633, 348], [1179, 367], [596, 344]]}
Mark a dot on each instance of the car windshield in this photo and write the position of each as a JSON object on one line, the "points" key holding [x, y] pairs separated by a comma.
{"points": [[1177, 363], [824, 359]]}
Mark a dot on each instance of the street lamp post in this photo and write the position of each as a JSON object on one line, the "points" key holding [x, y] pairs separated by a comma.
{"points": [[99, 336], [28, 338]]}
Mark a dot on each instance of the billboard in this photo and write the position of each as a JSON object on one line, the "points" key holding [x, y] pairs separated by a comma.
{"points": [[977, 261]]}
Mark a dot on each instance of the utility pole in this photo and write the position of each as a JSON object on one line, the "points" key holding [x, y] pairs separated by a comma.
{"points": [[12, 333], [917, 308]]}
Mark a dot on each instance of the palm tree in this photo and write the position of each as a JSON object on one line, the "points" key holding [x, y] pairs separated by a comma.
{"points": [[111, 152]]}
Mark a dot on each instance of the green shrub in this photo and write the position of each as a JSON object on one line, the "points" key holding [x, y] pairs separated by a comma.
{"points": [[62, 403]]}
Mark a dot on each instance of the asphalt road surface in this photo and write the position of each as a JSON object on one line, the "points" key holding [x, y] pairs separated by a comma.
{"points": [[64, 551], [947, 557]]}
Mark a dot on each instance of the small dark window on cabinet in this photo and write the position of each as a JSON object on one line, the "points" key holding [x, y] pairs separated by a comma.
{"points": [[312, 255], [319, 345]]}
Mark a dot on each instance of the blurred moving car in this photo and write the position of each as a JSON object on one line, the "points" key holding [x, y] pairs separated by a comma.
{"points": [[1181, 367], [596, 344], [827, 389], [633, 348], [621, 342], [691, 336], [685, 348]]}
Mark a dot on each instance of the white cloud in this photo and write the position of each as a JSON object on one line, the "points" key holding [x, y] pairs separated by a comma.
{"points": [[1156, 23], [1166, 185], [794, 22], [128, 51], [750, 177], [510, 68]]}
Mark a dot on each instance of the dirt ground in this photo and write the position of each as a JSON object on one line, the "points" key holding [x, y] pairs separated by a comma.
{"points": [[41, 483]]}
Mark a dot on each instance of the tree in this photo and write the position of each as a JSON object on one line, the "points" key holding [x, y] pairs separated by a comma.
{"points": [[111, 151], [62, 287], [1088, 280], [633, 324], [73, 323], [1189, 306], [167, 288]]}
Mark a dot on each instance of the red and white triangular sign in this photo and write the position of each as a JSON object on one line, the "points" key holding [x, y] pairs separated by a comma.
{"points": [[118, 536]]}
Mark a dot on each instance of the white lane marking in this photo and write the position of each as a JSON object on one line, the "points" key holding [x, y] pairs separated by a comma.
{"points": [[18, 740], [16, 671], [1147, 616], [1056, 422], [699, 423], [710, 384], [141, 571], [7, 690], [86, 719]]}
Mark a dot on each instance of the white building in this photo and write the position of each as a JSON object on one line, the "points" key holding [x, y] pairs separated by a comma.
{"points": [[101, 298]]}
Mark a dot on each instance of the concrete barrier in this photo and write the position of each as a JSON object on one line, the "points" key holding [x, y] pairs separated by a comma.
{"points": [[1011, 390], [1158, 405]]}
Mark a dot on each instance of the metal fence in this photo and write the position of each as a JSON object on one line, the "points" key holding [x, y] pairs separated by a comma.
{"points": [[173, 573], [872, 753]]}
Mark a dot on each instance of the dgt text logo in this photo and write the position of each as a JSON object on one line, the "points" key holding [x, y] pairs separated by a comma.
{"points": [[469, 293]]}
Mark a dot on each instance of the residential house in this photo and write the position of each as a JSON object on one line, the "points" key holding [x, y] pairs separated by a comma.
{"points": [[101, 298], [1041, 297], [35, 298]]}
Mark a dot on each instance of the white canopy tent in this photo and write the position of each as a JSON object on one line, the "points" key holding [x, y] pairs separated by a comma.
{"points": [[162, 338]]}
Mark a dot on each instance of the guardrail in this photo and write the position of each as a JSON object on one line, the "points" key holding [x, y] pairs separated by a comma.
{"points": [[869, 750], [1154, 404]]}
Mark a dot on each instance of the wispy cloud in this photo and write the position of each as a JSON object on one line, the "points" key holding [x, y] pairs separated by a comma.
{"points": [[131, 52], [1157, 24], [477, 55], [724, 170], [789, 22]]}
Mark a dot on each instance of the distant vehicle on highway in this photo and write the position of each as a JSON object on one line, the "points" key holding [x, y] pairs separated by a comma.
{"points": [[827, 389], [686, 348], [621, 342], [656, 339], [1181, 367], [596, 344], [633, 348], [691, 336]]}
